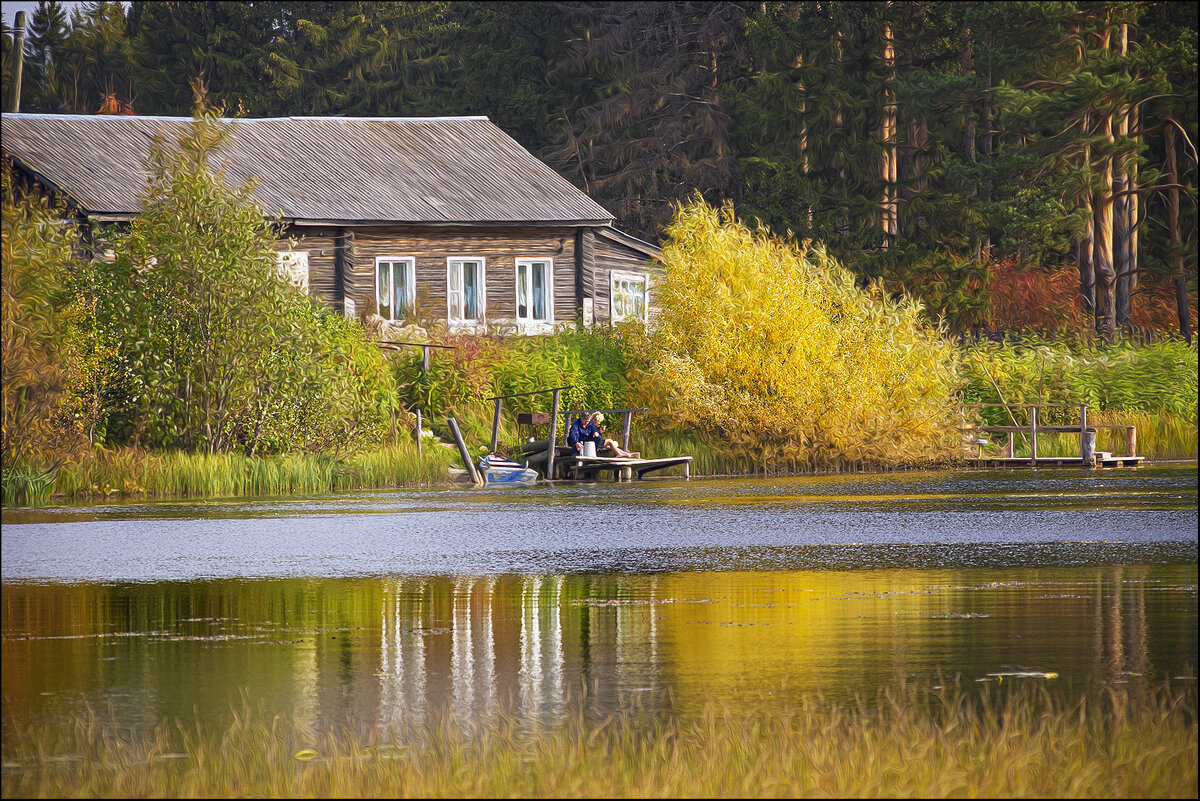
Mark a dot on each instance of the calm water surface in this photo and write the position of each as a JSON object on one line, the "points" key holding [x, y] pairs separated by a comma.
{"points": [[378, 607]]}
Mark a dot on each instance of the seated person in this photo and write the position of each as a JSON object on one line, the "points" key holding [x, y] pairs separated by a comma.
{"points": [[595, 421], [582, 431]]}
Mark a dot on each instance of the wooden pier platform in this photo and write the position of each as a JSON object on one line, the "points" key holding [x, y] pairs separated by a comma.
{"points": [[623, 469], [1103, 459]]}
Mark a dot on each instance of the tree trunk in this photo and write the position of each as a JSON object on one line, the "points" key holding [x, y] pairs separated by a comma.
{"points": [[887, 135], [1180, 279], [987, 149], [802, 141], [1122, 227], [1102, 246], [969, 132]]}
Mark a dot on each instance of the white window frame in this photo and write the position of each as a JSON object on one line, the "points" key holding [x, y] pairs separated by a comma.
{"points": [[456, 300], [409, 264], [633, 278], [529, 321], [292, 266]]}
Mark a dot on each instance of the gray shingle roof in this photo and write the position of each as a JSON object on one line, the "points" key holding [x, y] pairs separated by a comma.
{"points": [[441, 171]]}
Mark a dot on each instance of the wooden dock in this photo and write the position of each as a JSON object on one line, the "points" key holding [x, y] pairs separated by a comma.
{"points": [[1102, 459], [979, 436], [555, 461], [587, 468]]}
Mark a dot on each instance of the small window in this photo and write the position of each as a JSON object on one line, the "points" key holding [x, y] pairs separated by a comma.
{"points": [[395, 287], [628, 297], [535, 293], [466, 297], [293, 267]]}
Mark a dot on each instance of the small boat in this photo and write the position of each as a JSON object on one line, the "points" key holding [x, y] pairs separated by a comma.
{"points": [[500, 471]]}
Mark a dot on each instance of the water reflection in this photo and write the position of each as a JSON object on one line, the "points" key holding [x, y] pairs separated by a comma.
{"points": [[383, 609], [386, 652]]}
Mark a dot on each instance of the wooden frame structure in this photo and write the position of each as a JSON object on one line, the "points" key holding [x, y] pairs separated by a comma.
{"points": [[1088, 456]]}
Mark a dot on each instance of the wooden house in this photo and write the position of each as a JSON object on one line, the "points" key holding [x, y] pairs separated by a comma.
{"points": [[410, 221]]}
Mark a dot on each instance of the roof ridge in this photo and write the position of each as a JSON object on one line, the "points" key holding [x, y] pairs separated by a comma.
{"points": [[131, 117]]}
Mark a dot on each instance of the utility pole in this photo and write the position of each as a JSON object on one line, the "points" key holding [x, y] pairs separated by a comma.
{"points": [[13, 101]]}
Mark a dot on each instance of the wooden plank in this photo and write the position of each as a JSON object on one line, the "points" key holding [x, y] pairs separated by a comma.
{"points": [[553, 437], [495, 427], [464, 453]]}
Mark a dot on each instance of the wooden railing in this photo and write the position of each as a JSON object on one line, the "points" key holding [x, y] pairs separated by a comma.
{"points": [[1085, 430], [554, 391]]}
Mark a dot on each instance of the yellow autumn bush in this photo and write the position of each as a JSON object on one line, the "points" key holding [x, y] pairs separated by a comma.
{"points": [[770, 346]]}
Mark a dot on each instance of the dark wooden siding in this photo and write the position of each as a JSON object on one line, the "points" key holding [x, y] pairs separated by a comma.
{"points": [[321, 246], [430, 247], [613, 255]]}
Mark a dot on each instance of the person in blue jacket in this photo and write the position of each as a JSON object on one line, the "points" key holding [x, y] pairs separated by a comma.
{"points": [[582, 430]]}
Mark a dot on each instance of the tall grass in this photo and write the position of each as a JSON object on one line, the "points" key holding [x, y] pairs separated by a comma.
{"points": [[130, 472], [1014, 744]]}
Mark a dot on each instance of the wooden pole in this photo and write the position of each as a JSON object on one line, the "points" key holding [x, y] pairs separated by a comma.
{"points": [[1131, 441], [496, 426], [419, 438], [625, 434], [13, 101], [1083, 432], [424, 360], [1033, 435], [553, 438], [1088, 447], [999, 395], [466, 455]]}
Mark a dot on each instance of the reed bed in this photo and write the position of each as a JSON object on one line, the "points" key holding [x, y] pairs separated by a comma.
{"points": [[130, 472], [1021, 743]]}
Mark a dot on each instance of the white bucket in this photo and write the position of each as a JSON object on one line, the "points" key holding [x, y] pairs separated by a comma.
{"points": [[589, 449]]}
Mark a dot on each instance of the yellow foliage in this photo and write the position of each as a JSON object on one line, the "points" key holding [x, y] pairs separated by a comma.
{"points": [[773, 347]]}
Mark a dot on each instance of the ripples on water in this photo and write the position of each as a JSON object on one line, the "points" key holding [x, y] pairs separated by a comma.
{"points": [[370, 606], [902, 519]]}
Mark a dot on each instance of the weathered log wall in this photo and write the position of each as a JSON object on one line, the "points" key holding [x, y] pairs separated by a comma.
{"points": [[348, 280]]}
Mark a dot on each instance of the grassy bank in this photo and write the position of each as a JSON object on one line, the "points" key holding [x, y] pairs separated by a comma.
{"points": [[1016, 744], [133, 473]]}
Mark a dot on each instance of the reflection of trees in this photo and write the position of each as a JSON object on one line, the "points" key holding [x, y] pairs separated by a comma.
{"points": [[389, 652], [1123, 644]]}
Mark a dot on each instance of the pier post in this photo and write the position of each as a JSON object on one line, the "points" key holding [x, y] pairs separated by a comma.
{"points": [[1131, 441], [419, 452], [1087, 447], [1033, 436], [466, 455], [553, 438], [495, 427], [625, 434], [1083, 433]]}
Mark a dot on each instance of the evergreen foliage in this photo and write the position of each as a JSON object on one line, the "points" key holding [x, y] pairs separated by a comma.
{"points": [[921, 142]]}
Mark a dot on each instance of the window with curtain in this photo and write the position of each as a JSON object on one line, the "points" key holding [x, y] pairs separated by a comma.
{"points": [[628, 296], [395, 287], [535, 296], [466, 298]]}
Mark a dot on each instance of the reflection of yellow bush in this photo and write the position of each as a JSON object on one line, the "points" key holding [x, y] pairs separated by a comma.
{"points": [[771, 346]]}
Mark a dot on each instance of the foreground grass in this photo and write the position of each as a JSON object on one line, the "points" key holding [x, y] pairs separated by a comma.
{"points": [[132, 473], [1020, 744]]}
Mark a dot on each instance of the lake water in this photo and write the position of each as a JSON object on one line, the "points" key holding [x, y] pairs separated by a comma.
{"points": [[377, 607]]}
